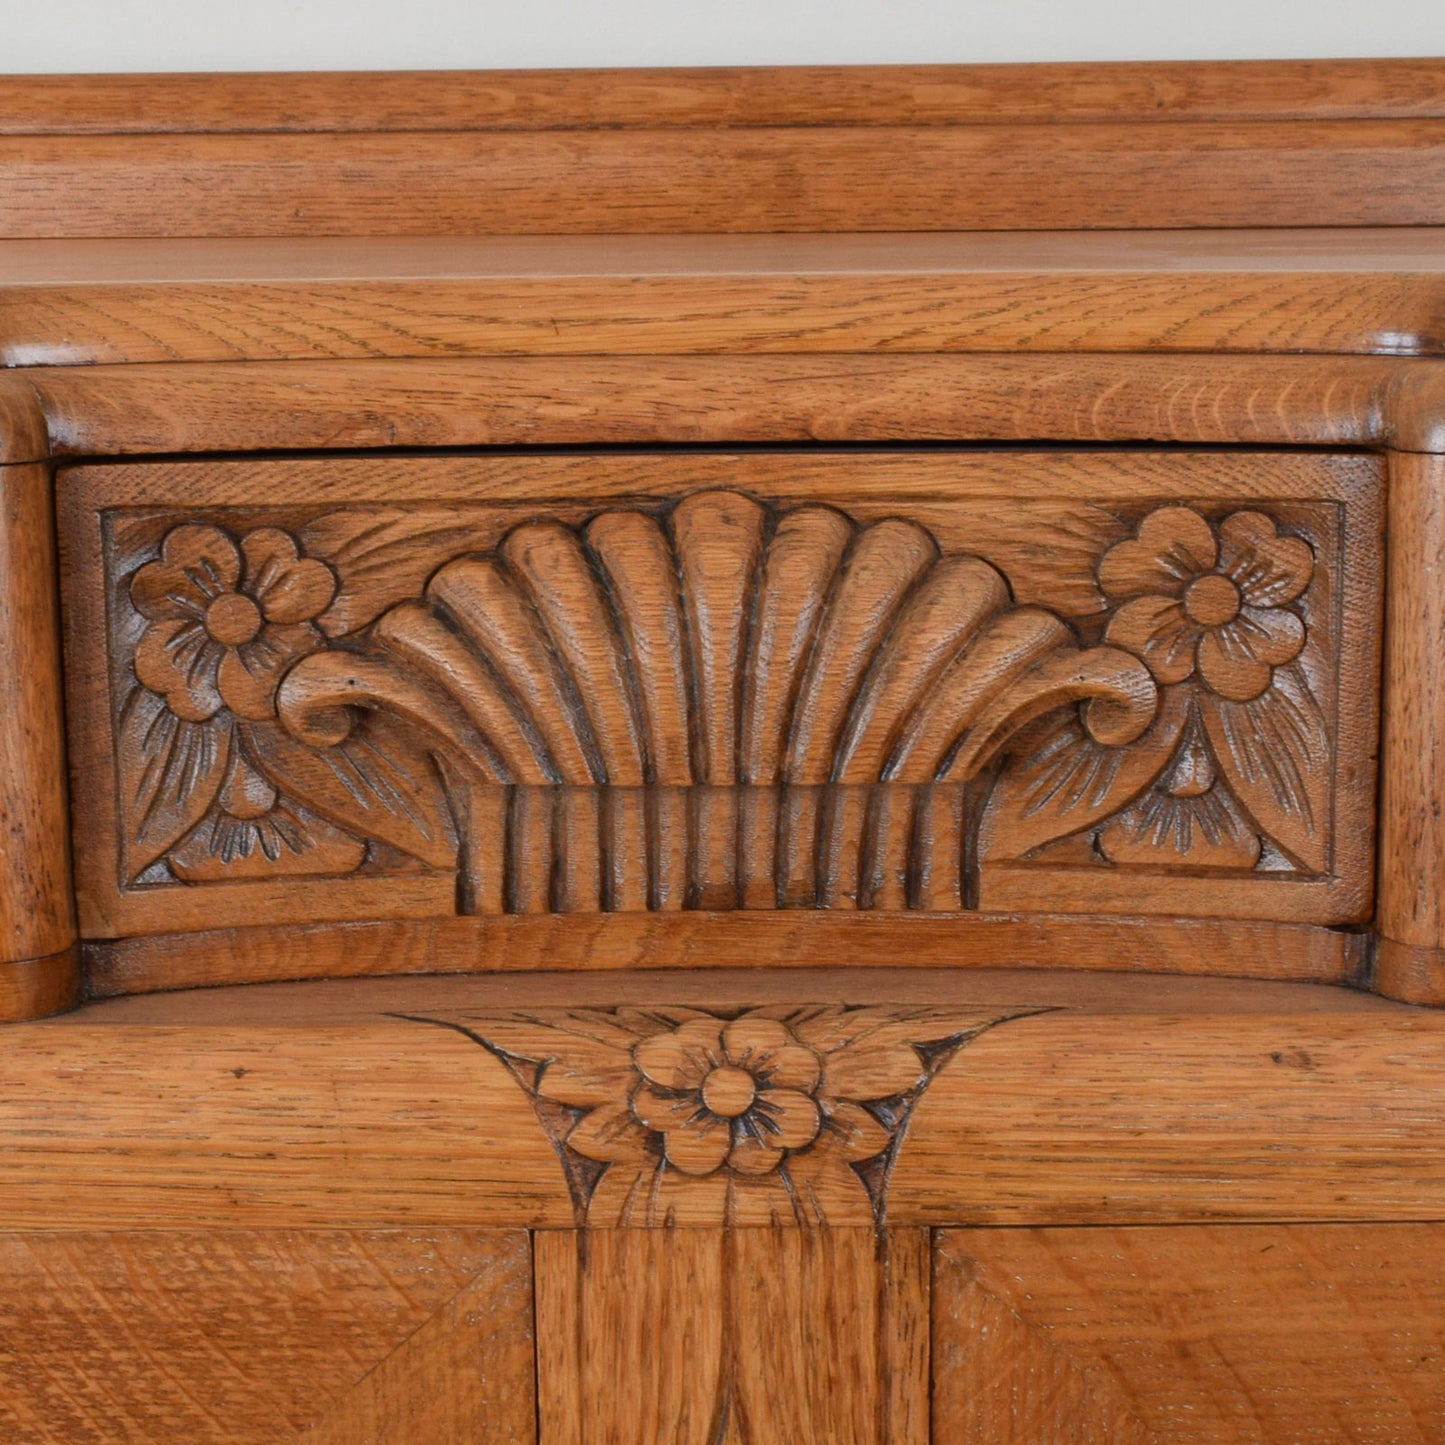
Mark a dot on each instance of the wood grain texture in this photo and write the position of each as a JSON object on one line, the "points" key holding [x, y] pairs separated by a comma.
{"points": [[200, 407], [1211, 1335], [697, 941], [33, 988], [736, 1337], [755, 95], [469, 1373], [1412, 834], [857, 684], [1128, 1099], [307, 298], [1172, 1120], [720, 179], [246, 1337], [36, 909], [23, 436]]}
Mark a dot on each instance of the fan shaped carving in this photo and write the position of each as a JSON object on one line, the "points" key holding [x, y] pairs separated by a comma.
{"points": [[727, 705]]}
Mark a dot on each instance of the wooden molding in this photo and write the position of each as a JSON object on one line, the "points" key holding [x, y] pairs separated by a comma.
{"points": [[419, 101], [1333, 290], [1104, 1099]]}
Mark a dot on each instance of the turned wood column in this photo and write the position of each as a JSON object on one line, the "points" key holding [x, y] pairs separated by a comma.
{"points": [[38, 953], [1411, 913]]}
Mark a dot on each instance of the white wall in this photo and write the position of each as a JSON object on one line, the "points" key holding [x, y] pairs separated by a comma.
{"points": [[95, 35]]}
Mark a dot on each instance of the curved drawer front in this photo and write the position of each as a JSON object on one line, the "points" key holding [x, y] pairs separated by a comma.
{"points": [[901, 683]]}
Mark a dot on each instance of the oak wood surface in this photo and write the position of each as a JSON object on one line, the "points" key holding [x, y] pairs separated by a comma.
{"points": [[1412, 843], [64, 303], [757, 95], [1249, 1334], [335, 405], [23, 431], [733, 1337], [1125, 1099], [703, 941], [1095, 175], [252, 1337], [37, 918]]}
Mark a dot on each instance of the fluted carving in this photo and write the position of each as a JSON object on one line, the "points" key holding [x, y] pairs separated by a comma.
{"points": [[723, 708]]}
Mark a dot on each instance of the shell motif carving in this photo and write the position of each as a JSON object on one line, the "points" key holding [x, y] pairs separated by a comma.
{"points": [[729, 706], [715, 704]]}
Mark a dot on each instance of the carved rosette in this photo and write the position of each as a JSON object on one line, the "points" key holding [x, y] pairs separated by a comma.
{"points": [[715, 704], [784, 1114]]}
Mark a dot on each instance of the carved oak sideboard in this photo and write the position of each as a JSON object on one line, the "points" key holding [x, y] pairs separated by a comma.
{"points": [[731, 757]]}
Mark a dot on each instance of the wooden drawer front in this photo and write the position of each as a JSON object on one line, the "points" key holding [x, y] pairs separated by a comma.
{"points": [[899, 683]]}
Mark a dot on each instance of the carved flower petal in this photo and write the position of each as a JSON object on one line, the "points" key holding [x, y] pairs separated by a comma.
{"points": [[681, 1059], [249, 676], [1156, 629], [1269, 569], [750, 1042], [197, 563], [609, 1134], [664, 1112], [289, 587], [1173, 545], [795, 1066], [860, 1135], [1227, 664], [1270, 634], [751, 1156], [177, 660], [785, 1118], [699, 1148]]}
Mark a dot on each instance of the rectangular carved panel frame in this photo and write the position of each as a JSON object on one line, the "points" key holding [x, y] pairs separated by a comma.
{"points": [[897, 683]]}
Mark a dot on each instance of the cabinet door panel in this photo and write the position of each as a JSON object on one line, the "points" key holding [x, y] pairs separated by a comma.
{"points": [[1235, 1335], [253, 1337]]}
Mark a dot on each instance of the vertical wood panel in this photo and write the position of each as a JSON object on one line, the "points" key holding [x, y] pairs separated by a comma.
{"points": [[36, 908], [733, 1337]]}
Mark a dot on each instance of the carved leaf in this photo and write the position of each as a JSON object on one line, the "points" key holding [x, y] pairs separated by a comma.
{"points": [[377, 783], [384, 555], [281, 843], [1059, 781], [1275, 753], [170, 772]]}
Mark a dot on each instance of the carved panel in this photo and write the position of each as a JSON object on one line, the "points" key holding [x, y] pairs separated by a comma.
{"points": [[782, 1114], [723, 698]]}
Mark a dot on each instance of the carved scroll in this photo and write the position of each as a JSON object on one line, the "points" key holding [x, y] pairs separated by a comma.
{"points": [[719, 703]]}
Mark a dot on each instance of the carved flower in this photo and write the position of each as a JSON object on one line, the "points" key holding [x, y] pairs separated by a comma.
{"points": [[765, 1115], [1196, 599], [739, 1092], [745, 1093], [226, 622]]}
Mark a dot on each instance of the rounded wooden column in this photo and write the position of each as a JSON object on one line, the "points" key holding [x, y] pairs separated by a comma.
{"points": [[38, 952], [1411, 914]]}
